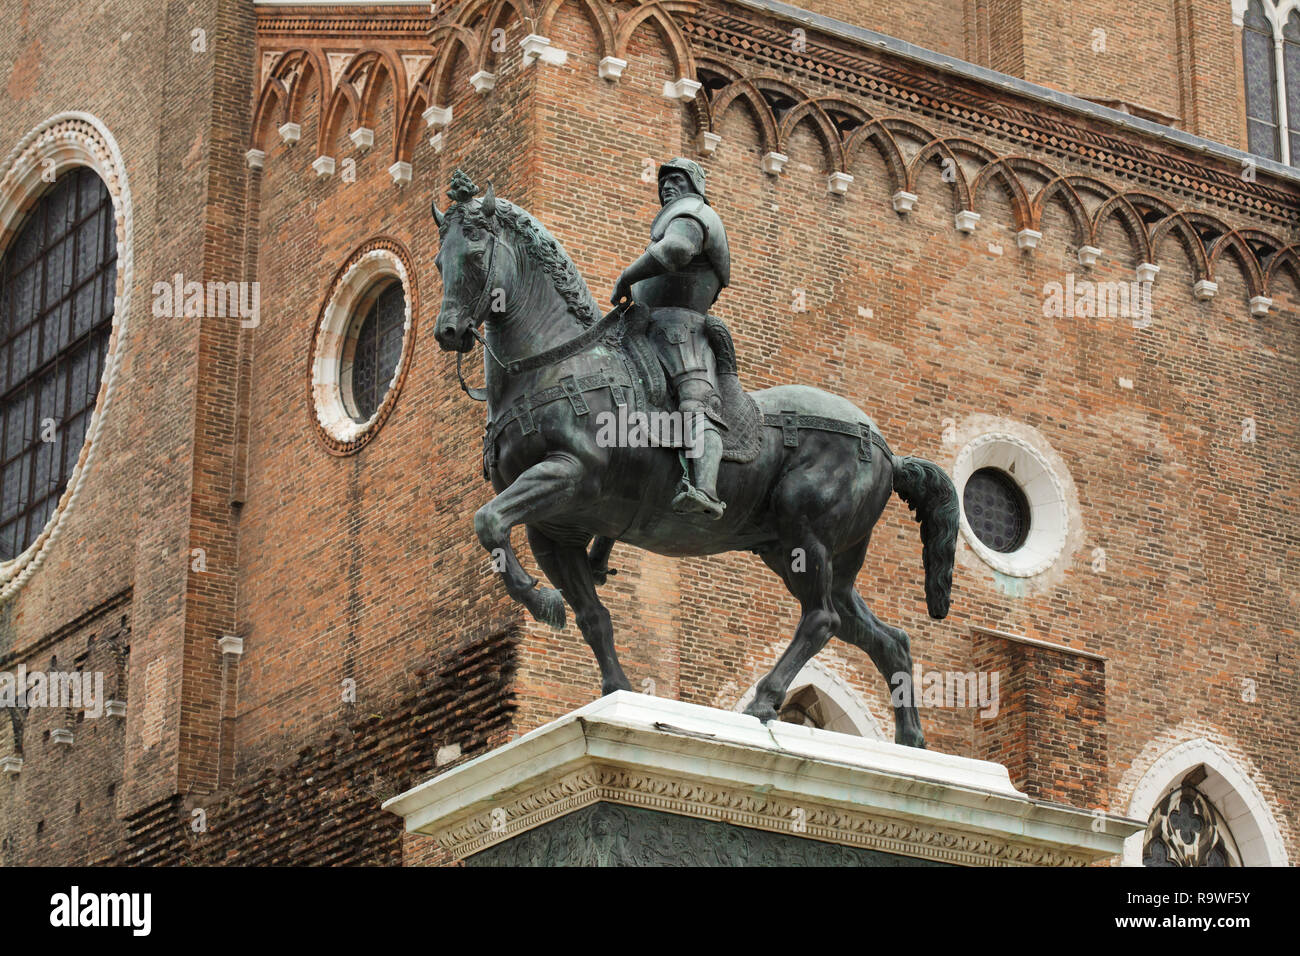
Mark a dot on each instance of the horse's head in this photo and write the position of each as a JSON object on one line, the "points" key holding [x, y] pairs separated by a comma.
{"points": [[475, 263]]}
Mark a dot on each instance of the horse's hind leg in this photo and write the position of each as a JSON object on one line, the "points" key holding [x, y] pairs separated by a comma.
{"points": [[598, 558], [569, 570], [887, 646], [810, 583]]}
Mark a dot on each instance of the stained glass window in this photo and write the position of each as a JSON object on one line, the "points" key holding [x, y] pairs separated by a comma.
{"points": [[1291, 70], [996, 509], [1187, 830], [1260, 64], [57, 283], [373, 351]]}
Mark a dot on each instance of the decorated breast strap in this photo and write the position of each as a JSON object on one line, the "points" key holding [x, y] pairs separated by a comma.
{"points": [[570, 388]]}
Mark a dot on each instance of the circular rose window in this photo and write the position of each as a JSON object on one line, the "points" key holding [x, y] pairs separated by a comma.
{"points": [[1014, 504], [362, 345]]}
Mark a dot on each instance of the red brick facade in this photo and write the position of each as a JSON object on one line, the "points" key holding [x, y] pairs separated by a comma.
{"points": [[374, 636]]}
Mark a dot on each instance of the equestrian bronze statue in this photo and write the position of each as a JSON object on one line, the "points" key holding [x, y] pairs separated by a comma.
{"points": [[794, 474]]}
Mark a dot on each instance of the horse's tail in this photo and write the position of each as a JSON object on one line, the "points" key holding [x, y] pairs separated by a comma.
{"points": [[929, 492]]}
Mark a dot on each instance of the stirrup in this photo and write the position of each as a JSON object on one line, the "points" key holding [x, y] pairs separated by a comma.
{"points": [[691, 500]]}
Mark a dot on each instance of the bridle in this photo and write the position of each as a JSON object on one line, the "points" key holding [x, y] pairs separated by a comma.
{"points": [[579, 342], [480, 394]]}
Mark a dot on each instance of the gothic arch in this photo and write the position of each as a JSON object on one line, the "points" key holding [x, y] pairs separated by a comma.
{"points": [[1119, 206], [746, 90], [1061, 191], [597, 17], [847, 709], [366, 67], [810, 111], [941, 150], [1230, 787], [447, 38], [1177, 225], [284, 93], [885, 145], [306, 71], [1235, 245], [1001, 171], [1287, 258], [658, 14]]}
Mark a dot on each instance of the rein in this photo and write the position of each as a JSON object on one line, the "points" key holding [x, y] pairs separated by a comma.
{"points": [[578, 343]]}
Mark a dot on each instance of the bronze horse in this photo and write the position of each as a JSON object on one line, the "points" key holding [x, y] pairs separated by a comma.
{"points": [[806, 507]]}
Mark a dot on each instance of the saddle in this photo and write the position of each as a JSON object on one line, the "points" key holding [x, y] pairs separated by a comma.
{"points": [[739, 421], [643, 376]]}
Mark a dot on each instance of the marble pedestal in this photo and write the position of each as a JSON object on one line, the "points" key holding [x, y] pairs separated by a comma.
{"points": [[636, 780]]}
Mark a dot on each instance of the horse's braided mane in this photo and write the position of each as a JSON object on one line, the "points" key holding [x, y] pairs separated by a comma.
{"points": [[540, 246]]}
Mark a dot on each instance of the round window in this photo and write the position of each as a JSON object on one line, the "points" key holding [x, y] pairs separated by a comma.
{"points": [[372, 350], [362, 345], [1016, 497], [996, 510]]}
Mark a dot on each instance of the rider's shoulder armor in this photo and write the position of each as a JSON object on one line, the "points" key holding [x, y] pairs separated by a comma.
{"points": [[694, 207]]}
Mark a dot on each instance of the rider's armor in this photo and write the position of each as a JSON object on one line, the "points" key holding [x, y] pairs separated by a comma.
{"points": [[679, 300]]}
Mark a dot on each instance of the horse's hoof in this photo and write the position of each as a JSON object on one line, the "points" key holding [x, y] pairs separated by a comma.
{"points": [[609, 687], [547, 607], [764, 712], [910, 738]]}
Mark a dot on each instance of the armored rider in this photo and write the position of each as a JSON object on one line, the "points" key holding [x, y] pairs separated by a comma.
{"points": [[678, 278]]}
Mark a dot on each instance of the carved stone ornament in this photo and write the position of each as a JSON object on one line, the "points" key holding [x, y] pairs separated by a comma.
{"points": [[1186, 830]]}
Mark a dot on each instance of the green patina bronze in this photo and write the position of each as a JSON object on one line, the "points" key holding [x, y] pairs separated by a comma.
{"points": [[794, 474]]}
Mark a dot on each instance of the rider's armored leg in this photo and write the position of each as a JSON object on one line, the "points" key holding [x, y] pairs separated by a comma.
{"points": [[700, 496]]}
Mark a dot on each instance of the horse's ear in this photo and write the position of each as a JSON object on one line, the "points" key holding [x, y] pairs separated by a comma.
{"points": [[489, 207], [438, 217]]}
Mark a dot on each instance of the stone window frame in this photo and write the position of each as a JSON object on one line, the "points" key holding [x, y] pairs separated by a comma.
{"points": [[353, 289], [1277, 12], [55, 146], [1038, 472], [1230, 788]]}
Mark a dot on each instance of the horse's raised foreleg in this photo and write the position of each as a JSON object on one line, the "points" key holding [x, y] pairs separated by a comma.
{"points": [[806, 570], [545, 489], [569, 570]]}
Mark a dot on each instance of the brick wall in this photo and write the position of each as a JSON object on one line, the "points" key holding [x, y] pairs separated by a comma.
{"points": [[363, 568], [1049, 730]]}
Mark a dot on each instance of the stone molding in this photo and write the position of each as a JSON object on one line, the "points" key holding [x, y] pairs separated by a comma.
{"points": [[373, 260], [609, 784], [1234, 792], [695, 761]]}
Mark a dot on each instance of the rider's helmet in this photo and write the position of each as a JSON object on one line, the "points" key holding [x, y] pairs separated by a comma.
{"points": [[694, 172]]}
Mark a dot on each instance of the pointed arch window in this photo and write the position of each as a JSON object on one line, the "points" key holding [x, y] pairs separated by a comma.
{"points": [[1270, 56], [1187, 829], [1260, 64], [1291, 72]]}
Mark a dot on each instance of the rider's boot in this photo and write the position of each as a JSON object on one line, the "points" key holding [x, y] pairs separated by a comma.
{"points": [[701, 496]]}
